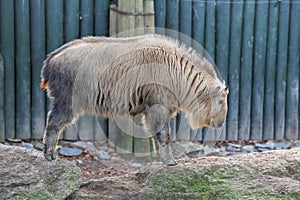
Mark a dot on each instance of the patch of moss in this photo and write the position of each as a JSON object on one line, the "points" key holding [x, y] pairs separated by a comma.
{"points": [[38, 194], [217, 183], [189, 184]]}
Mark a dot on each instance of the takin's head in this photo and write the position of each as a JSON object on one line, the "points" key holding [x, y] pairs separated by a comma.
{"points": [[211, 112]]}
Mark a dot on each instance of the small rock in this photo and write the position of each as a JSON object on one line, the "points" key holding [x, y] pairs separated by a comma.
{"points": [[211, 151], [39, 146], [248, 148], [15, 140], [117, 166], [263, 149], [6, 143], [103, 148], [58, 147], [26, 145], [296, 143], [235, 145], [79, 161], [193, 147], [66, 151], [102, 142], [91, 147], [265, 146], [136, 165], [80, 144], [231, 149], [102, 155], [283, 145]]}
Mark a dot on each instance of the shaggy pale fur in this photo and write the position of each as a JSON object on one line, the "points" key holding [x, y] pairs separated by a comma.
{"points": [[118, 76]]}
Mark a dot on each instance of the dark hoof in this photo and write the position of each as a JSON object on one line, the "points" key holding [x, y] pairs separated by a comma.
{"points": [[50, 156], [170, 162]]}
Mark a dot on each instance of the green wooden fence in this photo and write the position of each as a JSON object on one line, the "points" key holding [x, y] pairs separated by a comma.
{"points": [[255, 45]]}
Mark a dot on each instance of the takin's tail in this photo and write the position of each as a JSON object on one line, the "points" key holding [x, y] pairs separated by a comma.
{"points": [[43, 84]]}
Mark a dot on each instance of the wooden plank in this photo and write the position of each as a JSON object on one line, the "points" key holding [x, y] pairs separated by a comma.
{"points": [[281, 70], [222, 50], [38, 49], [7, 48], [209, 44], [23, 127], [246, 71], [260, 47], [172, 15], [269, 98], [292, 93], [160, 16], [101, 17], [234, 69], [149, 20], [2, 111]]}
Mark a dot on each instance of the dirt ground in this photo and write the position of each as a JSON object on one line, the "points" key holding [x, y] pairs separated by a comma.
{"points": [[271, 175]]}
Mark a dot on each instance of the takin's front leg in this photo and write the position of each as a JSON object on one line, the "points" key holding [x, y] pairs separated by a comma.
{"points": [[163, 138], [157, 122]]}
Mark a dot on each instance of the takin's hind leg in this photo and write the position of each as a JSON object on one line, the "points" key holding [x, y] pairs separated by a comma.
{"points": [[58, 118]]}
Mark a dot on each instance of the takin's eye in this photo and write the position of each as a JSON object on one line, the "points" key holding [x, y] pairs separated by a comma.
{"points": [[221, 102]]}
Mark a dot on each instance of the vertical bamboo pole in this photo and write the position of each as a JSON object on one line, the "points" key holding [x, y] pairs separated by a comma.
{"points": [[260, 45], [86, 122], [7, 48], [101, 28], [139, 20], [71, 24], [269, 100], [54, 28], [234, 70], [101, 17], [113, 21], [222, 49], [281, 69], [38, 112], [149, 20], [292, 101], [246, 71], [160, 16], [2, 123], [210, 38], [23, 127], [198, 33]]}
